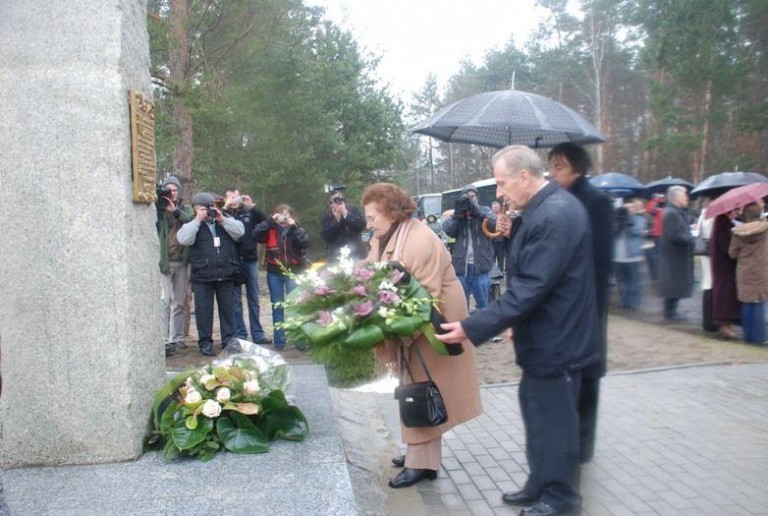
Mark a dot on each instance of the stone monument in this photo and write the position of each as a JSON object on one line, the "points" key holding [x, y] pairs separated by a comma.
{"points": [[80, 348]]}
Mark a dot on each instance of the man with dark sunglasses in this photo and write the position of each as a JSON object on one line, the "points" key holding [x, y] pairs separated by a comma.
{"points": [[342, 225]]}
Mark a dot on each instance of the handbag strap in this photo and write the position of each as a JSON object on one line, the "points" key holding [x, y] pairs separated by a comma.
{"points": [[405, 361]]}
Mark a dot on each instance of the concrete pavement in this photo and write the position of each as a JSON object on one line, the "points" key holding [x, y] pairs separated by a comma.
{"points": [[689, 440]]}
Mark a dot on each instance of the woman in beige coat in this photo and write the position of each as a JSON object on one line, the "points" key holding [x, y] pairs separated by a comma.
{"points": [[397, 236], [749, 247]]}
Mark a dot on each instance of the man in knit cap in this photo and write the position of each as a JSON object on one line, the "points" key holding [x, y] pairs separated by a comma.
{"points": [[174, 272]]}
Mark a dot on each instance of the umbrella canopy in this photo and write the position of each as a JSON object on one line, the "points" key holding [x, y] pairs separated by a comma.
{"points": [[506, 117], [617, 183], [737, 198], [661, 185], [717, 184]]}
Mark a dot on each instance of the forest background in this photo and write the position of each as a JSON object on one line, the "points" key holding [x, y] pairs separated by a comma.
{"points": [[269, 96]]}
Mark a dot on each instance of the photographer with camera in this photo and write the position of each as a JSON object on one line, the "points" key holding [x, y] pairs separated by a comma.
{"points": [[174, 272], [342, 225], [211, 237], [472, 253], [286, 242], [242, 208]]}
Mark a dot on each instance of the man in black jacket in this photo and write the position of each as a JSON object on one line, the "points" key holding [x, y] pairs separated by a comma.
{"points": [[211, 237], [472, 252], [550, 306], [569, 165], [242, 208], [342, 225]]}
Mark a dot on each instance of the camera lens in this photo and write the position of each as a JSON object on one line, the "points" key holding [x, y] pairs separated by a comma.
{"points": [[338, 200]]}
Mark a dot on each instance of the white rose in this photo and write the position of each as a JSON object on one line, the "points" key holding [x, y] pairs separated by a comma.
{"points": [[207, 378], [251, 387], [223, 394], [193, 397], [211, 408]]}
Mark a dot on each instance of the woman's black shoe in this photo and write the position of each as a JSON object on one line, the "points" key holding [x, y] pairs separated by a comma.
{"points": [[399, 461], [408, 477]]}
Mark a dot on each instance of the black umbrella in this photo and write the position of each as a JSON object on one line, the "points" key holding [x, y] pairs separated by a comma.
{"points": [[718, 184], [617, 183], [661, 185], [506, 117]]}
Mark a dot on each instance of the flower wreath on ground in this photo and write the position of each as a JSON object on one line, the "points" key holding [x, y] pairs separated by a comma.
{"points": [[354, 305], [237, 403]]}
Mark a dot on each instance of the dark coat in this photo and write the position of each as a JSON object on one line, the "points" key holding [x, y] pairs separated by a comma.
{"points": [[600, 213], [346, 232], [210, 263], [726, 307], [246, 246], [676, 255], [550, 297], [463, 229], [285, 247]]}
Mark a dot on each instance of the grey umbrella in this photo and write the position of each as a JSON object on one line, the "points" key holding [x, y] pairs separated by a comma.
{"points": [[501, 118], [718, 184], [661, 185], [617, 183]]}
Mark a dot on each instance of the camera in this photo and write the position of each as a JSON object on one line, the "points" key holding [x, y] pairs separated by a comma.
{"points": [[338, 200], [463, 203], [211, 211], [281, 218], [164, 192]]}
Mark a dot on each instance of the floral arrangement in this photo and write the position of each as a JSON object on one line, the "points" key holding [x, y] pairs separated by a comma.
{"points": [[355, 305], [201, 411]]}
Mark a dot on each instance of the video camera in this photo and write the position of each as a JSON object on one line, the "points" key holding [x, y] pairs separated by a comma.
{"points": [[463, 203], [338, 187]]}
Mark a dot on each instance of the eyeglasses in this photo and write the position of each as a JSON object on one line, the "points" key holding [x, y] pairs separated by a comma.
{"points": [[336, 200]]}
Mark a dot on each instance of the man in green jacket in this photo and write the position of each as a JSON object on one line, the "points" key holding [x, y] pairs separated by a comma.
{"points": [[174, 271]]}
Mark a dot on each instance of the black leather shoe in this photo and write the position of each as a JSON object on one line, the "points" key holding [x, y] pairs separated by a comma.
{"points": [[263, 340], [543, 509], [520, 498], [398, 461], [408, 477], [207, 350]]}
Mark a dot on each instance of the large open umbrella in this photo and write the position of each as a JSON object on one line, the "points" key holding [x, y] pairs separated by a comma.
{"points": [[618, 183], [737, 198], [506, 117], [661, 185], [718, 184]]}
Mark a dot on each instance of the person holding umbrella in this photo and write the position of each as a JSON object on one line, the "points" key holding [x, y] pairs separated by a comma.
{"points": [[749, 247], [569, 164], [676, 253], [550, 305]]}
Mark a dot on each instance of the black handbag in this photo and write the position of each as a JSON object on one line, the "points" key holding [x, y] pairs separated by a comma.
{"points": [[421, 404]]}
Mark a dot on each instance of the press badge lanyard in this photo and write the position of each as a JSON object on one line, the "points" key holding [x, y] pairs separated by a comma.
{"points": [[216, 239]]}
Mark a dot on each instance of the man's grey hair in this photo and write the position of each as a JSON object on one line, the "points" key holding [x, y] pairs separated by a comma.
{"points": [[519, 157], [675, 192]]}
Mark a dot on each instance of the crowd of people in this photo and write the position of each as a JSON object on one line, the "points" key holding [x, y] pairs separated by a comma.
{"points": [[561, 244], [212, 249]]}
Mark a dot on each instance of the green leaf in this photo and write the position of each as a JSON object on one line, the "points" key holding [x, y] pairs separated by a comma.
{"points": [[322, 334], [280, 420], [185, 439], [365, 336], [239, 435], [165, 393], [405, 326], [191, 422], [437, 345]]}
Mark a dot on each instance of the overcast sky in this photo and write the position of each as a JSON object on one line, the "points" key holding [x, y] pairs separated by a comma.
{"points": [[416, 37]]}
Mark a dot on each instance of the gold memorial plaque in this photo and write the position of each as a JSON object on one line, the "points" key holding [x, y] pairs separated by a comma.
{"points": [[143, 148]]}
